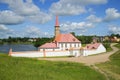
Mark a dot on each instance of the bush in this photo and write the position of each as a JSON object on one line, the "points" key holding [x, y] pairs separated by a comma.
{"points": [[107, 46]]}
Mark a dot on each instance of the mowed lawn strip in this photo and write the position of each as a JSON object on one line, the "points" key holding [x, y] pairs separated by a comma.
{"points": [[112, 67], [12, 68]]}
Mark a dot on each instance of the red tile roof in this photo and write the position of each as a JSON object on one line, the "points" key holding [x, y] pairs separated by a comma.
{"points": [[48, 45], [92, 46], [66, 38]]}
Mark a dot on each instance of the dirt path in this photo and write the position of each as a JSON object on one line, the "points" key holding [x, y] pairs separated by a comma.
{"points": [[89, 60], [101, 71]]}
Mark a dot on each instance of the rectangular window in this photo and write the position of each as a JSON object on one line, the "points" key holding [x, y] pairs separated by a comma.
{"points": [[74, 45], [61, 45], [65, 45], [77, 45], [70, 45]]}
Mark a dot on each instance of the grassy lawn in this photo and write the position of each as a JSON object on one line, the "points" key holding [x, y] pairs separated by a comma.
{"points": [[12, 68], [112, 67], [109, 49]]}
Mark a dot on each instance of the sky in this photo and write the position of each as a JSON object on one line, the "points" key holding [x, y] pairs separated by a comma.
{"points": [[36, 18]]}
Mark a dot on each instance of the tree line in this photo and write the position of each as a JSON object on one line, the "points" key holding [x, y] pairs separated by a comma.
{"points": [[14, 40], [39, 41]]}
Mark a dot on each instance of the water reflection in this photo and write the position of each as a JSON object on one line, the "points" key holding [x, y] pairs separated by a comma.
{"points": [[17, 47]]}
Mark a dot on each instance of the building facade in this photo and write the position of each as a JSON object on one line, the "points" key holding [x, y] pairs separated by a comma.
{"points": [[62, 42]]}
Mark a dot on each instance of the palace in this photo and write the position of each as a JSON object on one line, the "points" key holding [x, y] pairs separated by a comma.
{"points": [[62, 42], [62, 45]]}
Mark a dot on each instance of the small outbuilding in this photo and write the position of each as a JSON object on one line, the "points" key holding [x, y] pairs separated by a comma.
{"points": [[94, 48]]}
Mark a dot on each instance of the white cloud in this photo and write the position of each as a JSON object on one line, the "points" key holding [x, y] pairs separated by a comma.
{"points": [[85, 2], [28, 10], [114, 29], [32, 31], [69, 27], [66, 9], [73, 7], [3, 28], [40, 18], [112, 14], [93, 18], [5, 32], [22, 7], [29, 31], [9, 17]]}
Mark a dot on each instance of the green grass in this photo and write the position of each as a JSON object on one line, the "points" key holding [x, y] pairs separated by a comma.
{"points": [[12, 68], [109, 49], [118, 45], [112, 67]]}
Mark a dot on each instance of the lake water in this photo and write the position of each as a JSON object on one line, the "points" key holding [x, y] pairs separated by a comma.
{"points": [[17, 47]]}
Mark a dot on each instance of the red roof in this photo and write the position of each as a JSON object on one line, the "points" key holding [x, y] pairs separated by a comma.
{"points": [[49, 45], [66, 38], [92, 46]]}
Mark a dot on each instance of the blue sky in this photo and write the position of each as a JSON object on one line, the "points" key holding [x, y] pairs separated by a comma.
{"points": [[36, 18]]}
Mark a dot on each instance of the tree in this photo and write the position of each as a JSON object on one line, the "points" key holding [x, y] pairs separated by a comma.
{"points": [[9, 40], [73, 33], [85, 39], [41, 41]]}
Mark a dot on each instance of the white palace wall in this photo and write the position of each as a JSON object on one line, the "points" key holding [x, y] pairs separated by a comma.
{"points": [[40, 53]]}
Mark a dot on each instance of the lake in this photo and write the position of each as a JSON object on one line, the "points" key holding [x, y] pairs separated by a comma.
{"points": [[17, 47]]}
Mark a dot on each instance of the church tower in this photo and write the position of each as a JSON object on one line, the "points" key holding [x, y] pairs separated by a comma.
{"points": [[57, 27]]}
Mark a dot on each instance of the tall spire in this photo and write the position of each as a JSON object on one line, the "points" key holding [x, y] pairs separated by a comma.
{"points": [[57, 27], [56, 22]]}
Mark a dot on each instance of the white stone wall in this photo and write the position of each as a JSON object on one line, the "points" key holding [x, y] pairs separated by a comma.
{"points": [[40, 54], [57, 53], [76, 53], [27, 54], [100, 49], [55, 49]]}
